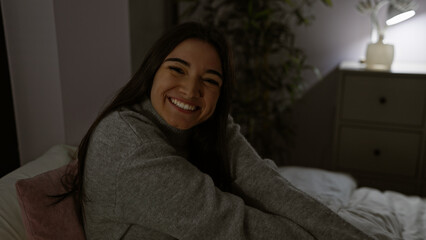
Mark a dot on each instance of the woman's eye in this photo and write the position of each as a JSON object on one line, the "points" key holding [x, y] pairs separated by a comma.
{"points": [[211, 81], [177, 69]]}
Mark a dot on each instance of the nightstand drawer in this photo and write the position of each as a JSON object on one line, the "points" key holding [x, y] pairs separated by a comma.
{"points": [[383, 100], [377, 151]]}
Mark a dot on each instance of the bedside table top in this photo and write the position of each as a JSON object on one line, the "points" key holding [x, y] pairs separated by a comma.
{"points": [[397, 67]]}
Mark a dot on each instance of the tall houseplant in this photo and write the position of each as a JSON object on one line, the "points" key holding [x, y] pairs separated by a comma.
{"points": [[269, 65]]}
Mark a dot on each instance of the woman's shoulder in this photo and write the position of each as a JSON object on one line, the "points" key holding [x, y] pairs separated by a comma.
{"points": [[127, 124]]}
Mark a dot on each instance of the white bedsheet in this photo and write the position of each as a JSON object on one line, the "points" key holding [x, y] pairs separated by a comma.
{"points": [[383, 215], [388, 215], [331, 188]]}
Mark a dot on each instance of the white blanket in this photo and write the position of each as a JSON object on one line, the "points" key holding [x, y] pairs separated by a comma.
{"points": [[383, 215], [387, 215]]}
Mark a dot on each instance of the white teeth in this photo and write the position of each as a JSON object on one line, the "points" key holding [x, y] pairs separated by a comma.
{"points": [[183, 105]]}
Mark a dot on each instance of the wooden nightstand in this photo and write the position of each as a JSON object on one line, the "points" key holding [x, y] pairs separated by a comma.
{"points": [[380, 127]]}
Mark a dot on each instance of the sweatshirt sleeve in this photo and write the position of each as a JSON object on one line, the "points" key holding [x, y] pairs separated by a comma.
{"points": [[262, 187], [164, 192]]}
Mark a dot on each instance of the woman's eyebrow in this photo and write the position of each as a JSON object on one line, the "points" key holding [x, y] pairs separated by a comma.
{"points": [[215, 73], [187, 64], [178, 60]]}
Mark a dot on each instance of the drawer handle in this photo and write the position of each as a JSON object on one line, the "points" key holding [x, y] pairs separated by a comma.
{"points": [[377, 152], [383, 100]]}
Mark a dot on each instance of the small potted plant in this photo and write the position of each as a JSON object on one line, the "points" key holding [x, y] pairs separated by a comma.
{"points": [[379, 55]]}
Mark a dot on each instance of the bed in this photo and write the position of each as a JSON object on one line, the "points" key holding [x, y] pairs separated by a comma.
{"points": [[385, 215]]}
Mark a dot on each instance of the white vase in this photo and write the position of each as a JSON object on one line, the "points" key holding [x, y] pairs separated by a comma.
{"points": [[379, 55]]}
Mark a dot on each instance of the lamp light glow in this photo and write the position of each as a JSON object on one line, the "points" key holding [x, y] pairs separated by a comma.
{"points": [[400, 17]]}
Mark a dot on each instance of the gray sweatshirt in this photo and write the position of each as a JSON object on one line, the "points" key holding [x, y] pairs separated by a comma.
{"points": [[139, 185]]}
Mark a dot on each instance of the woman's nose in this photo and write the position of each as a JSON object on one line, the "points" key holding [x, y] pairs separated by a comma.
{"points": [[191, 88]]}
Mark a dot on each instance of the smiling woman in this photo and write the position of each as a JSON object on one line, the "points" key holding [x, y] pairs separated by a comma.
{"points": [[164, 160], [187, 85]]}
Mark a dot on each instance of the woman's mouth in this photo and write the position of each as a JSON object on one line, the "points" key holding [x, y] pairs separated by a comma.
{"points": [[182, 105]]}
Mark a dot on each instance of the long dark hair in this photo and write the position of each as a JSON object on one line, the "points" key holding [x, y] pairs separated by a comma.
{"points": [[210, 151]]}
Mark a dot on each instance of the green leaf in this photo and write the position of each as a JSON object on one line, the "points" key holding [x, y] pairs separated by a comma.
{"points": [[289, 2], [327, 2], [263, 14], [250, 8]]}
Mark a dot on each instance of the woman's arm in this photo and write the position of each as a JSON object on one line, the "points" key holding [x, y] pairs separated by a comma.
{"points": [[168, 194], [257, 182]]}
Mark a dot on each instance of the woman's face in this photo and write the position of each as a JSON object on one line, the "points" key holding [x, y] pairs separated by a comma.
{"points": [[187, 85]]}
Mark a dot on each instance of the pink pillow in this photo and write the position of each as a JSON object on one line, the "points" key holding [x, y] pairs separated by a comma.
{"points": [[43, 219]]}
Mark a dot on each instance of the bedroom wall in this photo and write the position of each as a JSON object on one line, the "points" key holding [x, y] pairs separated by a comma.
{"points": [[66, 59], [341, 33], [147, 23], [94, 58], [34, 71]]}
